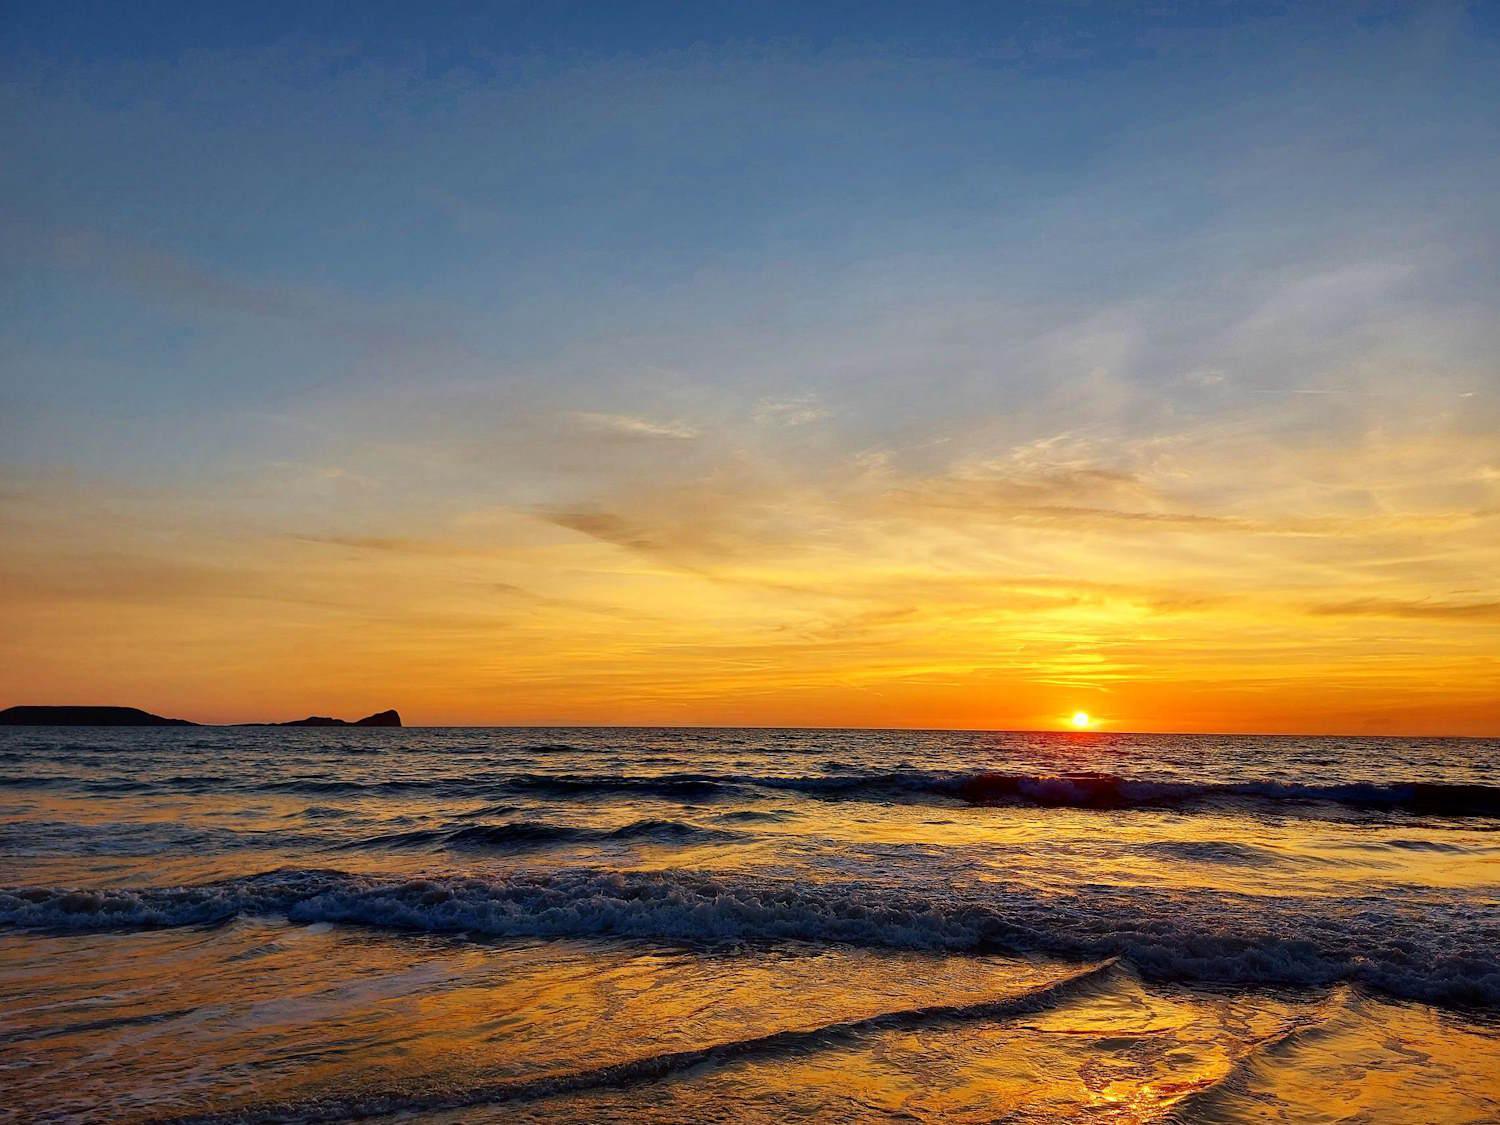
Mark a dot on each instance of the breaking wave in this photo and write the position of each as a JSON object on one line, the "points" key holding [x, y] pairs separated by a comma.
{"points": [[1406, 945], [1077, 791], [1108, 791]]}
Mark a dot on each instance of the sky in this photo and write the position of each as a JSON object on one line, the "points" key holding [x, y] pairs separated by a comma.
{"points": [[937, 365]]}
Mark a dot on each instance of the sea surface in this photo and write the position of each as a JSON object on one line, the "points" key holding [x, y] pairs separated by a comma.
{"points": [[521, 925]]}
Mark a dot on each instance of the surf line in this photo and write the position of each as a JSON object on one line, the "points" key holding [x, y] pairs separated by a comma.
{"points": [[655, 1067]]}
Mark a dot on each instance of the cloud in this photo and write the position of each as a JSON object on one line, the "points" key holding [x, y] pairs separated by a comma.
{"points": [[1419, 610], [1207, 377], [576, 605], [1079, 515], [796, 410], [156, 273], [605, 526], [626, 425], [393, 544]]}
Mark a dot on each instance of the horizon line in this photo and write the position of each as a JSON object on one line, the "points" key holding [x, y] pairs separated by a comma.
{"points": [[1070, 732]]}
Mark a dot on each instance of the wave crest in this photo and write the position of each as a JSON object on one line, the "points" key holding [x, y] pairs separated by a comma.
{"points": [[983, 788], [1109, 791], [1412, 946]]}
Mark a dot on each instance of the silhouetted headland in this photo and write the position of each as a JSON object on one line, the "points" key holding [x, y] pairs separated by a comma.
{"points": [[379, 719], [135, 717], [86, 717]]}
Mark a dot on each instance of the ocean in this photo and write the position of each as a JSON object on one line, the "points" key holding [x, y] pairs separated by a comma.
{"points": [[268, 924]]}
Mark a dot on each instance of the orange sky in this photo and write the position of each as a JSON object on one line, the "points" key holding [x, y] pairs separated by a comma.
{"points": [[1188, 582], [1145, 366]]}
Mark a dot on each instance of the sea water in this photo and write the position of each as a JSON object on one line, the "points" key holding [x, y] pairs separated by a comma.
{"points": [[746, 925]]}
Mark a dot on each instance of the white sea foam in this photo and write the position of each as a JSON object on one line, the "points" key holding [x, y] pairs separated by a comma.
{"points": [[1412, 946]]}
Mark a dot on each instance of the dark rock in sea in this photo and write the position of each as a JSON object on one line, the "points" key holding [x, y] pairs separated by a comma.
{"points": [[87, 717], [379, 719]]}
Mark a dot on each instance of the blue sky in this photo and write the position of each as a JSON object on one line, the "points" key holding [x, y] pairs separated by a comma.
{"points": [[485, 179], [368, 274]]}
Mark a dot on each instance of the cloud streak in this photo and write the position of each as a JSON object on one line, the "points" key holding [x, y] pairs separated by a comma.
{"points": [[624, 425]]}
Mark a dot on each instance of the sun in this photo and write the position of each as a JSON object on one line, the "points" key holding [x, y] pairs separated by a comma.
{"points": [[1081, 720]]}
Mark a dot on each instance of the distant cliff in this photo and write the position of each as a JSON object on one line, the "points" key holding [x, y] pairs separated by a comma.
{"points": [[134, 717], [87, 717], [379, 719]]}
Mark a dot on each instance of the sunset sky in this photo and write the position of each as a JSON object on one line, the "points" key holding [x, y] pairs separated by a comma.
{"points": [[932, 366]]}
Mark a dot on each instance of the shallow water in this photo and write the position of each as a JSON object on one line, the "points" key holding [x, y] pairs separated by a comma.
{"points": [[663, 925]]}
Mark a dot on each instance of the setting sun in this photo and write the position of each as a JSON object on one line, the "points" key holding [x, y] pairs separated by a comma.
{"points": [[1081, 720]]}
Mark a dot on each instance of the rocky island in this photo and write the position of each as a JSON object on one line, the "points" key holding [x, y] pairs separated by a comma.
{"points": [[379, 719], [31, 716]]}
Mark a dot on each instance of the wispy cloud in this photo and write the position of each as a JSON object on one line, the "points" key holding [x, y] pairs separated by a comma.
{"points": [[626, 425], [602, 525], [1417, 610], [793, 410]]}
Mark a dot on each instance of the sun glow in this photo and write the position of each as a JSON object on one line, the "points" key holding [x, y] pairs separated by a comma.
{"points": [[1081, 720]]}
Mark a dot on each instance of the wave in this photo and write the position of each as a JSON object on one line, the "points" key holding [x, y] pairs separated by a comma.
{"points": [[522, 834], [1100, 791], [755, 816], [1207, 1102], [1402, 943], [691, 786], [320, 812], [33, 839], [1441, 847], [651, 1068], [108, 1023], [1080, 791], [1109, 791], [1223, 852], [678, 786]]}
